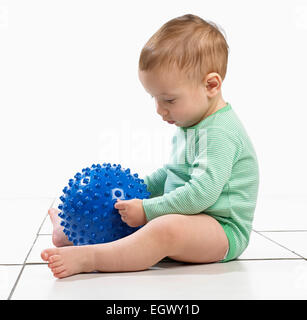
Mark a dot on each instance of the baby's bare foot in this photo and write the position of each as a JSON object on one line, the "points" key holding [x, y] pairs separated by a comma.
{"points": [[59, 238], [67, 261]]}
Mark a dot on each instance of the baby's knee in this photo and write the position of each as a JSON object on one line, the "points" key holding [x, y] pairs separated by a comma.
{"points": [[167, 226]]}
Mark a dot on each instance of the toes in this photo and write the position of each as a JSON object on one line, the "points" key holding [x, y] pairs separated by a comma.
{"points": [[62, 274], [44, 255], [53, 211], [48, 253], [54, 258], [58, 270], [55, 264]]}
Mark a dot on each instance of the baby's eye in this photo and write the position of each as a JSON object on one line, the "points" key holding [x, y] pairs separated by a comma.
{"points": [[171, 101]]}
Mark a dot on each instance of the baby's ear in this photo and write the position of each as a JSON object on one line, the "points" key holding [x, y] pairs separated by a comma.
{"points": [[213, 83]]}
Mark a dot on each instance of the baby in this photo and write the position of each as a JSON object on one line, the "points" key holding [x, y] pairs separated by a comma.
{"points": [[203, 200]]}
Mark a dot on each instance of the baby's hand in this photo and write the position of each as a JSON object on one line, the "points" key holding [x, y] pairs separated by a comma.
{"points": [[132, 212]]}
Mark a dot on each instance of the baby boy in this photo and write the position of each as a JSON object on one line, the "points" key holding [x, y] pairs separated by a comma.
{"points": [[203, 200]]}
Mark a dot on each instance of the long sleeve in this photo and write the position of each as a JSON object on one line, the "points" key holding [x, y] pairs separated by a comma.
{"points": [[210, 170], [155, 182]]}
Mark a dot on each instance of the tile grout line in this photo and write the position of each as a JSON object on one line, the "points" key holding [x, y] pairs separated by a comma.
{"points": [[20, 273], [280, 245], [39, 229], [24, 263]]}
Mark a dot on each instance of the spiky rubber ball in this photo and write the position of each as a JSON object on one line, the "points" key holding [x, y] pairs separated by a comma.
{"points": [[87, 204]]}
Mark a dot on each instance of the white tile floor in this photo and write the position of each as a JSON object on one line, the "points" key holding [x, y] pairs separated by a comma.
{"points": [[273, 266]]}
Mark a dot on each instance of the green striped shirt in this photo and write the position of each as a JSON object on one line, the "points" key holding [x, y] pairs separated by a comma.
{"points": [[213, 169]]}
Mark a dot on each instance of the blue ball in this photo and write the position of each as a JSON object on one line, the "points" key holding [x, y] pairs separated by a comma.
{"points": [[87, 204]]}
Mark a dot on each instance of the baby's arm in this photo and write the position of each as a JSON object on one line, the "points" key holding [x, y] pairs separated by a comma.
{"points": [[211, 170], [155, 182]]}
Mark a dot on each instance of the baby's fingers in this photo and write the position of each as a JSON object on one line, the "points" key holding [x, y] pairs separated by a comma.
{"points": [[120, 205], [122, 212]]}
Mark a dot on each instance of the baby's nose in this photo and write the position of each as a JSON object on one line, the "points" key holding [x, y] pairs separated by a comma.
{"points": [[161, 111]]}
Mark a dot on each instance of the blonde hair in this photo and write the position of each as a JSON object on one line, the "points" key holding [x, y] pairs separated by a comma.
{"points": [[193, 45]]}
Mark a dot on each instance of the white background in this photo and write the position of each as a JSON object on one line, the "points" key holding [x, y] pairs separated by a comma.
{"points": [[70, 95]]}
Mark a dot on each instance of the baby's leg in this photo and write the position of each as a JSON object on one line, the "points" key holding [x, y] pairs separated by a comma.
{"points": [[138, 251], [200, 239], [197, 238]]}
